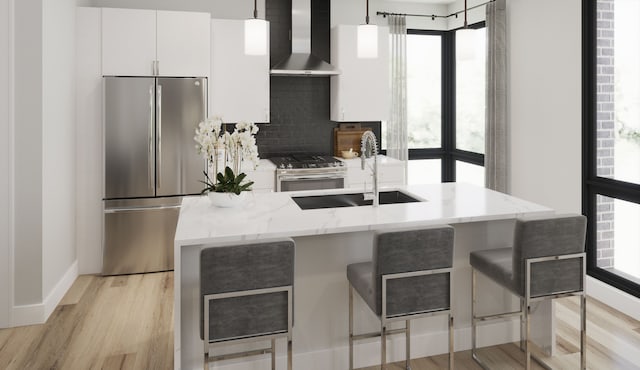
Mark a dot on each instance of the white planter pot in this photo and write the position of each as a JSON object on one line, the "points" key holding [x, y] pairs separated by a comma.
{"points": [[227, 200]]}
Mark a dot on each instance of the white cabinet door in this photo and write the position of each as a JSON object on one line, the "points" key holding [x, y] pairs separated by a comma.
{"points": [[183, 43], [361, 91], [128, 42], [239, 84]]}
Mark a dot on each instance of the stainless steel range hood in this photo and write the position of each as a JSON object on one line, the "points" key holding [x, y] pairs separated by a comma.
{"points": [[301, 62]]}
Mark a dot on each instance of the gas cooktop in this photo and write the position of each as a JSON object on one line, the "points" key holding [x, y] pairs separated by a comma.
{"points": [[296, 161]]}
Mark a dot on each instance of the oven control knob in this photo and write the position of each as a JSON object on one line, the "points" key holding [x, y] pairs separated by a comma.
{"points": [[281, 165], [341, 164], [289, 166]]}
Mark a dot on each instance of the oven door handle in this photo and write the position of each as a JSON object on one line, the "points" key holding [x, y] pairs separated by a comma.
{"points": [[309, 177]]}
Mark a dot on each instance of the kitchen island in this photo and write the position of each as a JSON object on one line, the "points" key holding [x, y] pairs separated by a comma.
{"points": [[329, 239]]}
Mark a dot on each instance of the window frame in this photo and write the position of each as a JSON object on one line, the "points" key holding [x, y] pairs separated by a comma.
{"points": [[592, 184], [447, 152]]}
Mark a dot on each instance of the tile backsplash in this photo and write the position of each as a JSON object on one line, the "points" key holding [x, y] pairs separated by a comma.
{"points": [[300, 118]]}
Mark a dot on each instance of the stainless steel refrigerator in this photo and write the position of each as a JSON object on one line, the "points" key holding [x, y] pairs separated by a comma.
{"points": [[150, 163]]}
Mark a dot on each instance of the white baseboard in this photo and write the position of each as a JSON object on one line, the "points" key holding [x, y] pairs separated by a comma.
{"points": [[39, 313], [613, 297], [367, 353]]}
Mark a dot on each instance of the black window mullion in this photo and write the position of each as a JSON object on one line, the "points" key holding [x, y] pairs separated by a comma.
{"points": [[469, 157], [448, 106]]}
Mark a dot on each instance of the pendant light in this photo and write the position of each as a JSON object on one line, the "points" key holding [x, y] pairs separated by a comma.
{"points": [[465, 37], [255, 34], [367, 38]]}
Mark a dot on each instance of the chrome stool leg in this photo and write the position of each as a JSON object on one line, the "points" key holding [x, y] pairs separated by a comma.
{"points": [[407, 334], [473, 312], [273, 354], [583, 331], [383, 342], [522, 328], [451, 348], [350, 326], [527, 347]]}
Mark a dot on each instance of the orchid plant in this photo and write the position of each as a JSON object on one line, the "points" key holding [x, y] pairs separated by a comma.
{"points": [[214, 142]]}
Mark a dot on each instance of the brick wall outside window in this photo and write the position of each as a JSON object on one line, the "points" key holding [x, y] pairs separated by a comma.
{"points": [[606, 129]]}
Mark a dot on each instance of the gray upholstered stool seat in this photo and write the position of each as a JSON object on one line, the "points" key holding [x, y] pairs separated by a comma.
{"points": [[547, 261], [409, 277], [247, 295], [496, 264]]}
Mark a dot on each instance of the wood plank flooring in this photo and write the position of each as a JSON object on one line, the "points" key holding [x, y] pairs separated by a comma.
{"points": [[126, 322]]}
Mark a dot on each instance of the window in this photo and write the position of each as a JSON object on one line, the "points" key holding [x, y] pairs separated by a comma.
{"points": [[424, 91], [446, 105], [611, 130]]}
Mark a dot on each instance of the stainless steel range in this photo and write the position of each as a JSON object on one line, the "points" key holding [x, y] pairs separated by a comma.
{"points": [[309, 172]]}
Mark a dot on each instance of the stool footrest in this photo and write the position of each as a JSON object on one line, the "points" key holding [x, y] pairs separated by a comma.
{"points": [[231, 356], [377, 334], [505, 315]]}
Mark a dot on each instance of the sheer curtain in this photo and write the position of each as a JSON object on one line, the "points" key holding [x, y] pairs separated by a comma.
{"points": [[397, 136], [496, 159]]}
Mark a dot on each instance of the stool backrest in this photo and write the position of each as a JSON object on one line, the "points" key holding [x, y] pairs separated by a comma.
{"points": [[408, 251], [544, 237], [238, 268]]}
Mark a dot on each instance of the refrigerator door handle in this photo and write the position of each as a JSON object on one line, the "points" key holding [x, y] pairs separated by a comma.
{"points": [[150, 139], [138, 209], [159, 138]]}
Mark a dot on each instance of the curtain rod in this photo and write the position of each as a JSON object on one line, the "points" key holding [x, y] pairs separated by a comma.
{"points": [[434, 16]]}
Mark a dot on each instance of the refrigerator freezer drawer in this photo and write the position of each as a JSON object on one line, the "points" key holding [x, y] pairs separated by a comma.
{"points": [[139, 239]]}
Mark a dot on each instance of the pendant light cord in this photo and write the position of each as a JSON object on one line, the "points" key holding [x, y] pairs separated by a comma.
{"points": [[367, 17], [465, 14], [255, 9]]}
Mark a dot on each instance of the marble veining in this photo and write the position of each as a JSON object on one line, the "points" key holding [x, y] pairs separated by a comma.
{"points": [[266, 215]]}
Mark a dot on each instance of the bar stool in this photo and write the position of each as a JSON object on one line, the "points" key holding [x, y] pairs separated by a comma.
{"points": [[547, 261], [408, 278], [247, 295]]}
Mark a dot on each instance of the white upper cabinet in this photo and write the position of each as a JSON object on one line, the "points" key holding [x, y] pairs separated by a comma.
{"points": [[128, 42], [183, 43], [239, 85], [361, 91], [148, 42]]}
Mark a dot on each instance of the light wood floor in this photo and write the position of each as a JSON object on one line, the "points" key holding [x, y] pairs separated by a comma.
{"points": [[127, 323]]}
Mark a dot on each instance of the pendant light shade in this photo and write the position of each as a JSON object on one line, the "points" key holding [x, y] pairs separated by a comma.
{"points": [[465, 40], [367, 41], [255, 37], [255, 34], [367, 38]]}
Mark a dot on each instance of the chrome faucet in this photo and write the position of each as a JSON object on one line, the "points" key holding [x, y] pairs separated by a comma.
{"points": [[369, 148]]}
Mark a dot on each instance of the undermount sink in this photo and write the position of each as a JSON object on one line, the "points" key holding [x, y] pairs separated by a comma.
{"points": [[351, 200]]}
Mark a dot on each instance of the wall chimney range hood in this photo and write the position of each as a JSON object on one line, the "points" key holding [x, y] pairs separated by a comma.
{"points": [[302, 62]]}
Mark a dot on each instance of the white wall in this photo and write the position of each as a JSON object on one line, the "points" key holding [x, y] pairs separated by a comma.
{"points": [[37, 165], [5, 162], [28, 153], [58, 133], [545, 101]]}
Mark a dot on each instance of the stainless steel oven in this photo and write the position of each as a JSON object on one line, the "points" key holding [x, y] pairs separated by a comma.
{"points": [[308, 179], [309, 172]]}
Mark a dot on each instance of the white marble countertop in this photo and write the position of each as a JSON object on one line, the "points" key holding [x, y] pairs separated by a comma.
{"points": [[270, 215]]}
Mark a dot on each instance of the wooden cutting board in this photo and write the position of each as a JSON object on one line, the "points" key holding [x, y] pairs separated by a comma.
{"points": [[347, 139]]}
